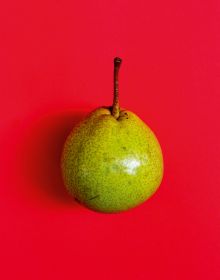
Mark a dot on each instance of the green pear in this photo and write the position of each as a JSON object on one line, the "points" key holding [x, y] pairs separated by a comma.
{"points": [[112, 161]]}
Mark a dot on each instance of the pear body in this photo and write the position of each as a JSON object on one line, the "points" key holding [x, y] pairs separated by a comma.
{"points": [[111, 165]]}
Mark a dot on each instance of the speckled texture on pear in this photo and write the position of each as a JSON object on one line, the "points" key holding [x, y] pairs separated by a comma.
{"points": [[112, 165]]}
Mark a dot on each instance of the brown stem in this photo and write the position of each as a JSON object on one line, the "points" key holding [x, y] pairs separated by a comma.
{"points": [[115, 106]]}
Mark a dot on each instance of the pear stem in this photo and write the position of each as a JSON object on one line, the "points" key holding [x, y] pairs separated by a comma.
{"points": [[115, 106]]}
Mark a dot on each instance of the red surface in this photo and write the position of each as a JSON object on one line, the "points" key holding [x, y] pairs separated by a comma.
{"points": [[55, 66]]}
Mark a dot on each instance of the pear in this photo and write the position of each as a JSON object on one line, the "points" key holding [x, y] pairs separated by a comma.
{"points": [[112, 161]]}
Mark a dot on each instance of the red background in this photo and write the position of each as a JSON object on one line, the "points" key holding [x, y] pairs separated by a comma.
{"points": [[55, 66]]}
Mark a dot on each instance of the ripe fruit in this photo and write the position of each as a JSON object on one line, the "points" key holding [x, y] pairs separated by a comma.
{"points": [[112, 160]]}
